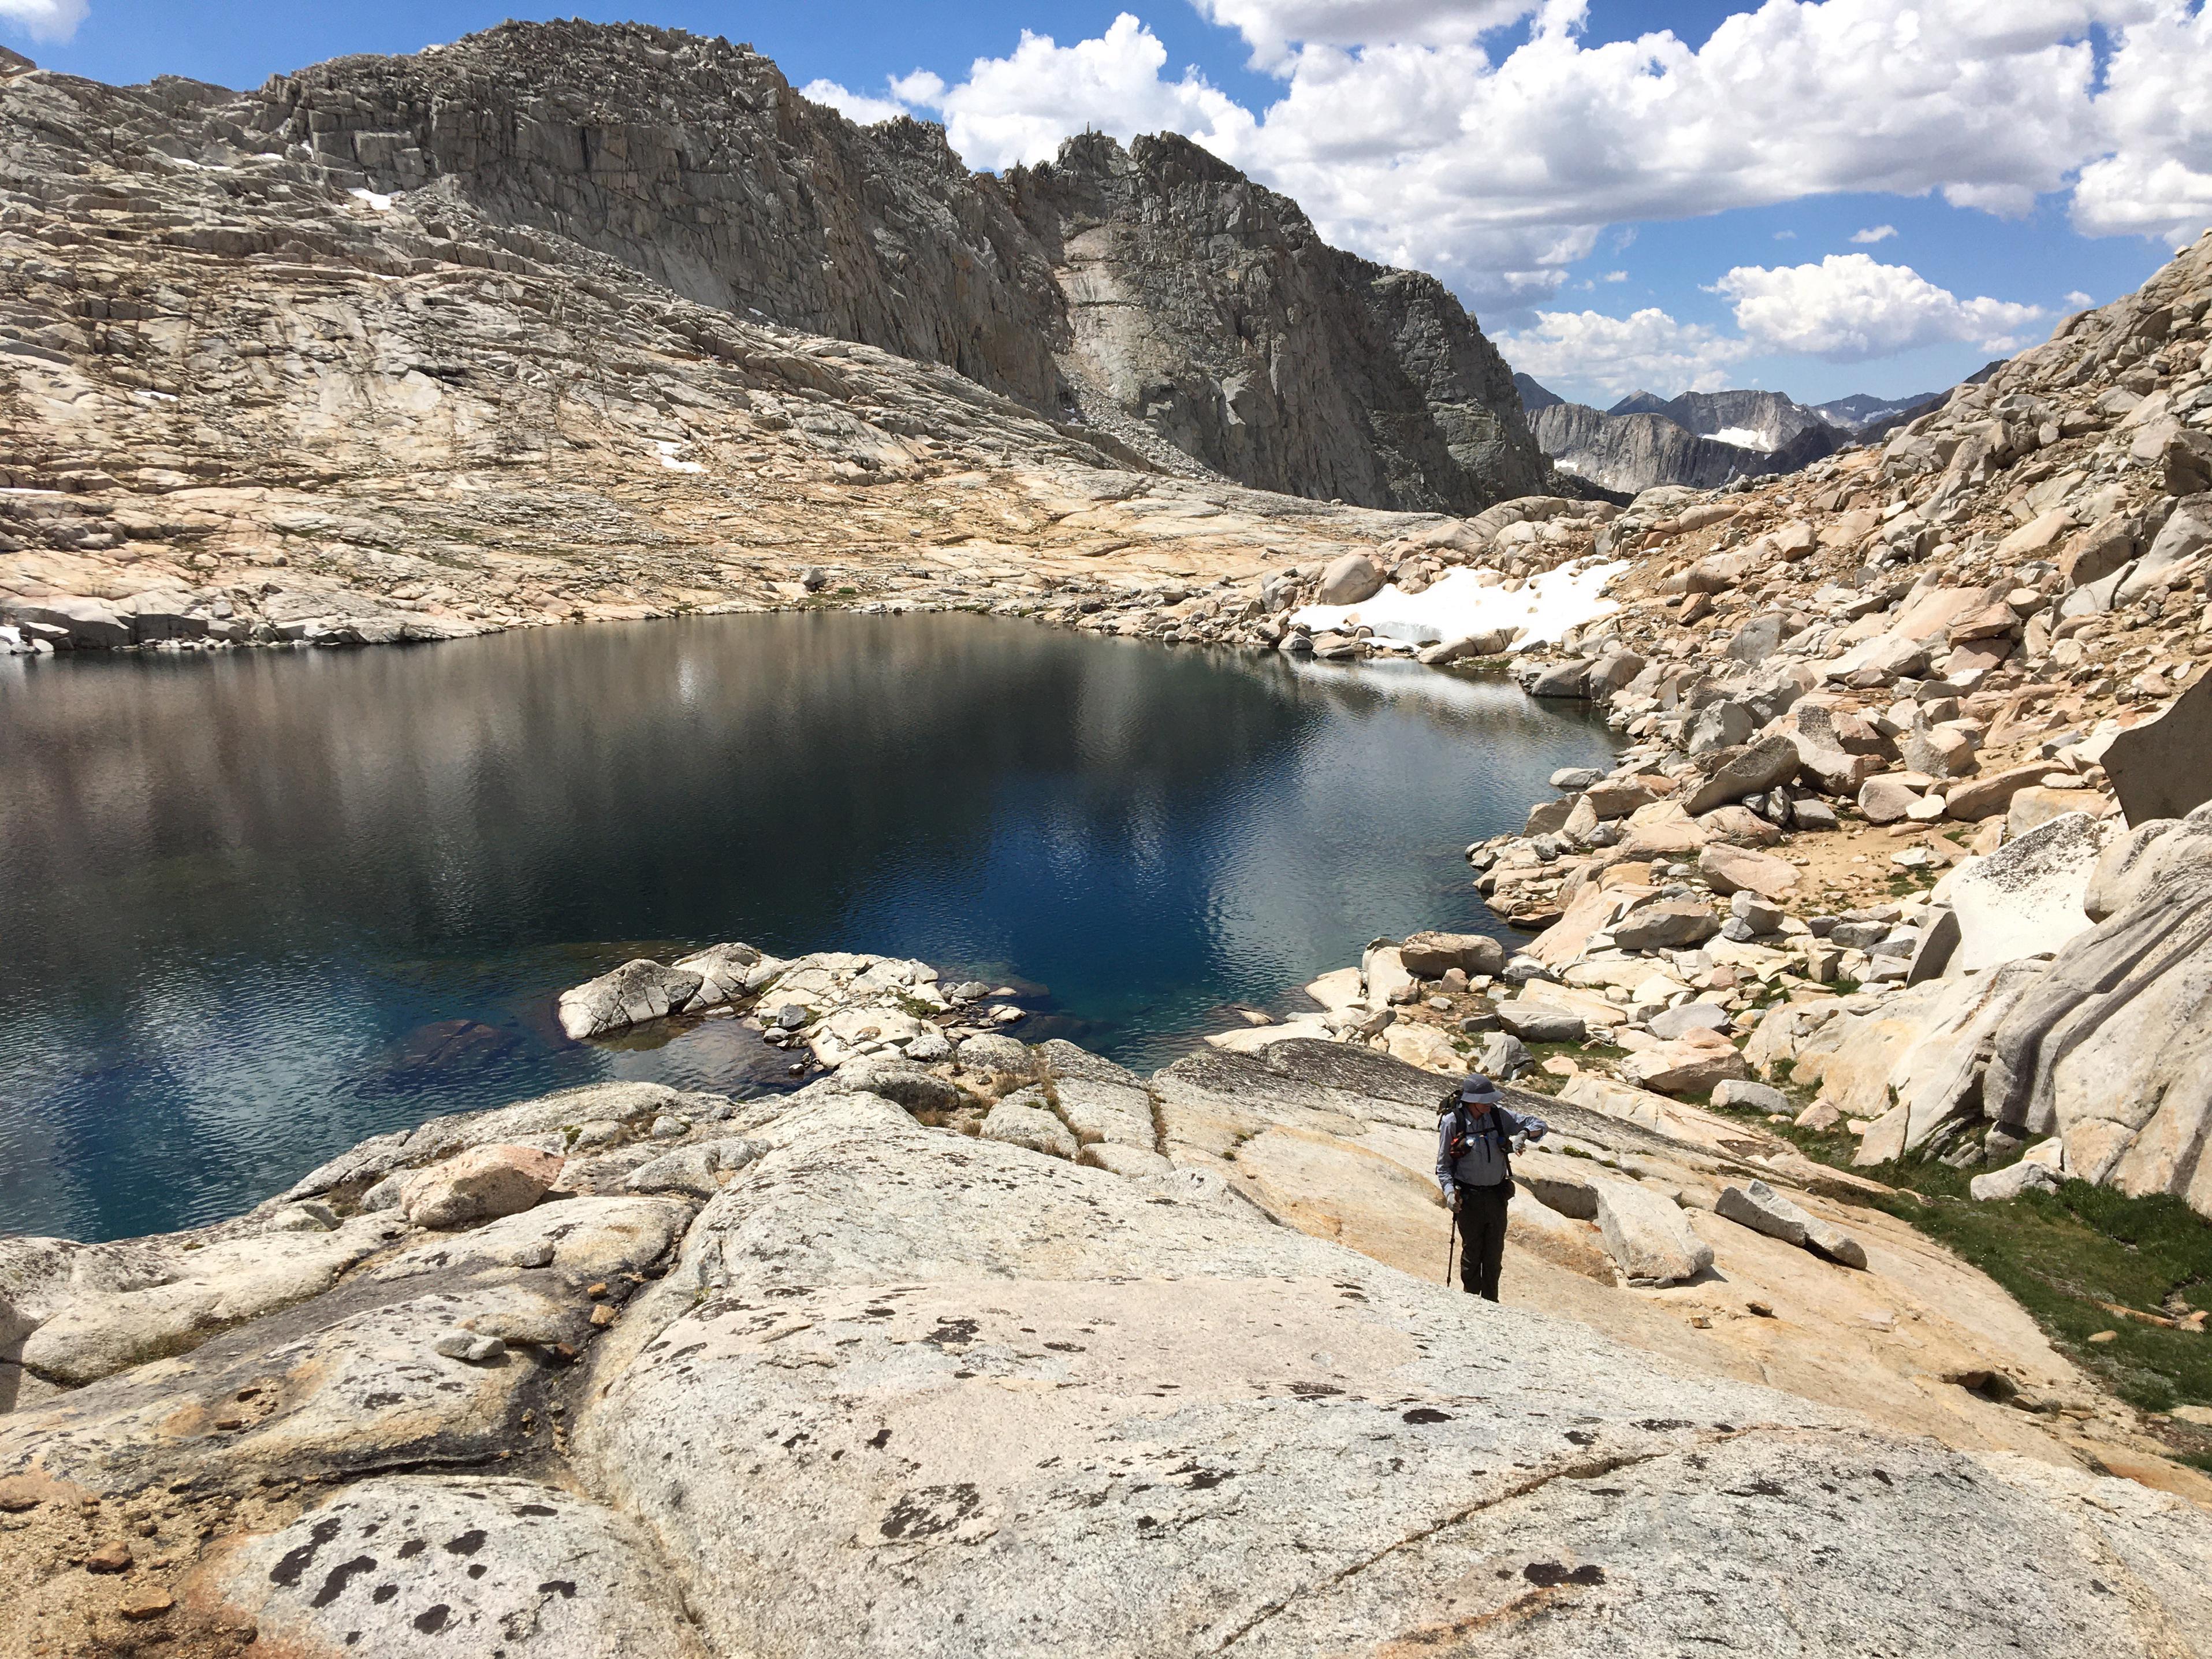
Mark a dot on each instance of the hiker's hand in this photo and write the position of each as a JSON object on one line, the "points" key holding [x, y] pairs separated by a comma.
{"points": [[1451, 1198]]}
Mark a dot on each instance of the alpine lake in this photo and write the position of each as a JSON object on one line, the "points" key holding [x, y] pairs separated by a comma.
{"points": [[258, 905]]}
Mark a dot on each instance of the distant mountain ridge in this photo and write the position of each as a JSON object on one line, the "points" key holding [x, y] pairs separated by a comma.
{"points": [[1704, 439], [1744, 420], [1701, 439]]}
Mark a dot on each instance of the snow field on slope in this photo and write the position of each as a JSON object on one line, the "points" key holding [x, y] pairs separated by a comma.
{"points": [[1547, 607]]}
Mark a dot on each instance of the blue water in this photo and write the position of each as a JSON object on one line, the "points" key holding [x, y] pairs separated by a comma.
{"points": [[256, 907]]}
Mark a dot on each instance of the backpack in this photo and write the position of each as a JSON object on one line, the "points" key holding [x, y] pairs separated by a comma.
{"points": [[1462, 1132]]}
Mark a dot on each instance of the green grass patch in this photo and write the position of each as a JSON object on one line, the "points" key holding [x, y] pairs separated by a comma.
{"points": [[2062, 1255]]}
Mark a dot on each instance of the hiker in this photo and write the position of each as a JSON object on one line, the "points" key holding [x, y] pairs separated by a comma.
{"points": [[1473, 1143]]}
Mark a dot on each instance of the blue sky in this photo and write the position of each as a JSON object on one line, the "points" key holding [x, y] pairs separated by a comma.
{"points": [[1823, 197]]}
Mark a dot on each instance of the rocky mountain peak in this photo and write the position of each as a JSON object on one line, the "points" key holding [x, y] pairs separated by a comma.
{"points": [[1207, 306], [1152, 290]]}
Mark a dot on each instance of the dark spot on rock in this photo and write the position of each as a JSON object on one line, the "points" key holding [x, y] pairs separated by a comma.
{"points": [[477, 1569], [1203, 1479], [881, 1438], [384, 1592], [382, 1400], [535, 1509], [287, 1570], [1761, 1487], [563, 1587], [410, 1549], [1582, 1436], [1065, 1347], [468, 1543], [1144, 1522], [933, 1509], [1546, 1574], [1427, 1415], [1880, 1475], [431, 1621], [951, 1332], [340, 1576], [1660, 1425], [1314, 1390]]}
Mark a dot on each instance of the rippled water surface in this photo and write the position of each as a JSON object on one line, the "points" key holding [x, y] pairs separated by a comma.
{"points": [[256, 907]]}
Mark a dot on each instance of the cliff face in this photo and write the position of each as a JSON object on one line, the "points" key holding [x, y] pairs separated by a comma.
{"points": [[1209, 308], [693, 162], [1156, 291]]}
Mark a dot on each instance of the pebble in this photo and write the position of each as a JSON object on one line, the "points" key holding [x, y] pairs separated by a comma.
{"points": [[469, 1346], [145, 1601], [112, 1556]]}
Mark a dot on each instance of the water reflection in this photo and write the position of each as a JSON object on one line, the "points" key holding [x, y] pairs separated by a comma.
{"points": [[258, 906]]}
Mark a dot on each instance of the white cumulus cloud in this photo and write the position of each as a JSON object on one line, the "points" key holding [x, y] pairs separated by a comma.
{"points": [[1017, 109], [1875, 234], [1849, 307], [857, 105], [1270, 26], [45, 19], [2155, 179], [1412, 134], [1604, 358]]}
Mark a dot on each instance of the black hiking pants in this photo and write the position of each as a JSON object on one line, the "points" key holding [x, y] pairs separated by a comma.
{"points": [[1482, 1238]]}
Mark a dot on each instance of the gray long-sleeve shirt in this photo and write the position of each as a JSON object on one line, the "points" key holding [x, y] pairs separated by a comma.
{"points": [[1481, 1161]]}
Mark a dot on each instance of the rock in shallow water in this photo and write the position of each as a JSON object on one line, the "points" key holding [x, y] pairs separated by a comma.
{"points": [[634, 993]]}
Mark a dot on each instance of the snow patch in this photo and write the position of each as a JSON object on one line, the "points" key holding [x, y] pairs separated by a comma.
{"points": [[381, 203], [1547, 607], [1744, 437], [668, 446]]}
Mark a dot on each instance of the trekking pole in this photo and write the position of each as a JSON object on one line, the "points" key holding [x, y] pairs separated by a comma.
{"points": [[1451, 1242]]}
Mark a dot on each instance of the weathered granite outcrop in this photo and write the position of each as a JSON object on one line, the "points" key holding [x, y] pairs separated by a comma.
{"points": [[871, 1385]]}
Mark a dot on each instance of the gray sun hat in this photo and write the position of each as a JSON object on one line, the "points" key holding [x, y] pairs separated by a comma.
{"points": [[1477, 1090]]}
